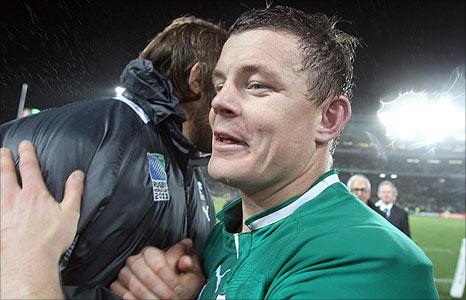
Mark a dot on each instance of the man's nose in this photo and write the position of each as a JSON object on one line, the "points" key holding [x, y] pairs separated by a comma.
{"points": [[227, 102]]}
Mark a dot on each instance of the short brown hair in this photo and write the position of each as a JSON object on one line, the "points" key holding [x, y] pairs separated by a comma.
{"points": [[184, 42], [328, 53]]}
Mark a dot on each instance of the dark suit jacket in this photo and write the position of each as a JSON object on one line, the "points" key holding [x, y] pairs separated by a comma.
{"points": [[399, 218]]}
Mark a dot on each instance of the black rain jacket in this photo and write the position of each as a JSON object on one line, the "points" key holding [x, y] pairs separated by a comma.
{"points": [[143, 181]]}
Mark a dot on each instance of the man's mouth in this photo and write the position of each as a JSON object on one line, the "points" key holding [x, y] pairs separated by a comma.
{"points": [[228, 139]]}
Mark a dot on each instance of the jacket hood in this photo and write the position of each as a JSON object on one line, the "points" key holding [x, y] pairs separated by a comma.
{"points": [[150, 90]]}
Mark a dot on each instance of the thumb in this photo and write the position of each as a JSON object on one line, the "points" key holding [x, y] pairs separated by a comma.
{"points": [[189, 263], [74, 187], [186, 264], [176, 251]]}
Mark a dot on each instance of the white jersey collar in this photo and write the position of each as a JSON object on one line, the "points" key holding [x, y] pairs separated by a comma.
{"points": [[292, 207]]}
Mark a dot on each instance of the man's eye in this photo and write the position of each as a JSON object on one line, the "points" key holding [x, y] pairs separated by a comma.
{"points": [[218, 87], [257, 86]]}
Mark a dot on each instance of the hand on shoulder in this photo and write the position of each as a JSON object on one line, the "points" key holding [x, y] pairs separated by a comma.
{"points": [[35, 229]]}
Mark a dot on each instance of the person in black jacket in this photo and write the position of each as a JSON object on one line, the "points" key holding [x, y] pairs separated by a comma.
{"points": [[388, 193], [360, 186], [141, 153]]}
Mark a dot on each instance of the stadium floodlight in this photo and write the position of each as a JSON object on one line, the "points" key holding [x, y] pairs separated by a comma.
{"points": [[421, 118], [393, 176], [119, 90], [413, 160], [382, 175], [434, 161]]}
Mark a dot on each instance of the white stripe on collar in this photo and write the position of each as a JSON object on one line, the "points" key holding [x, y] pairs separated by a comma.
{"points": [[144, 117], [236, 244], [289, 209]]}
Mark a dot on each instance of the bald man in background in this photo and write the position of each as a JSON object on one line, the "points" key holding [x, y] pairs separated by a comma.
{"points": [[360, 186]]}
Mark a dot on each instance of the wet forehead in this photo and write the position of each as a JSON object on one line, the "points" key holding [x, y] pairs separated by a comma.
{"points": [[263, 50]]}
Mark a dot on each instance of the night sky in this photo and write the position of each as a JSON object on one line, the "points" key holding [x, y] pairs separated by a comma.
{"points": [[74, 50]]}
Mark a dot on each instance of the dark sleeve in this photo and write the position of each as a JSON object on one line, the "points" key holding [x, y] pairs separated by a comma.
{"points": [[64, 143], [201, 211], [136, 212], [104, 148]]}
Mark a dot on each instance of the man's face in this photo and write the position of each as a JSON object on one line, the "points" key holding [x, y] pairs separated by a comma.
{"points": [[360, 189], [263, 124], [197, 128], [386, 194]]}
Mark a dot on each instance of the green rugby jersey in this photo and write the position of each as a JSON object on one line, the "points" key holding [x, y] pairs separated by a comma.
{"points": [[325, 244]]}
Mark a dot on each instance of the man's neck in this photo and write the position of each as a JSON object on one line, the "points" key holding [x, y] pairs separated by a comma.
{"points": [[257, 202]]}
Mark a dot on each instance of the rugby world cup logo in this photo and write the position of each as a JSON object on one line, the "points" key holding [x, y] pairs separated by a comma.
{"points": [[158, 176]]}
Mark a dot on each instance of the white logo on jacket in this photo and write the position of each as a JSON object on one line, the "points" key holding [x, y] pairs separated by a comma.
{"points": [[205, 208], [219, 277]]}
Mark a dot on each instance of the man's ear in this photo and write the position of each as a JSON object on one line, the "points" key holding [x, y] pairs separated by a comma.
{"points": [[335, 115], [194, 80]]}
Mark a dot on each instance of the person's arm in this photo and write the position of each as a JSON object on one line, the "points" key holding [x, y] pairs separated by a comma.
{"points": [[156, 274], [35, 229]]}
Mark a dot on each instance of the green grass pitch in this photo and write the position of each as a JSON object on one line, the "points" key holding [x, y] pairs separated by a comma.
{"points": [[440, 239]]}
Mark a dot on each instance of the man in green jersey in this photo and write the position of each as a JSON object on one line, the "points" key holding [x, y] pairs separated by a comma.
{"points": [[283, 82]]}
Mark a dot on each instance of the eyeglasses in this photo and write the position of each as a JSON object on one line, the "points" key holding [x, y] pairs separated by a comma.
{"points": [[359, 190]]}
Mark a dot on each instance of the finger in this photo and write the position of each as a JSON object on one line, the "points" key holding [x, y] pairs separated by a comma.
{"points": [[186, 264], [74, 187], [29, 166], [119, 289], [129, 296], [164, 264], [8, 180], [156, 273], [134, 285], [175, 252]]}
